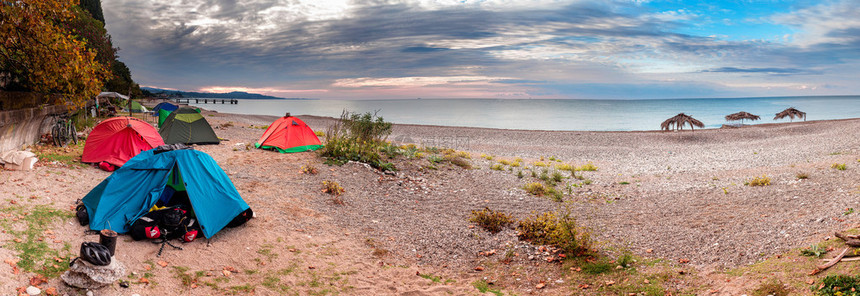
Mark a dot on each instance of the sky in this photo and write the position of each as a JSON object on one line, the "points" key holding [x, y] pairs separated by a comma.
{"points": [[543, 49]]}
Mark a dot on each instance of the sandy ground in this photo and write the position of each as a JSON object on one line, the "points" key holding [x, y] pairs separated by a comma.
{"points": [[679, 195]]}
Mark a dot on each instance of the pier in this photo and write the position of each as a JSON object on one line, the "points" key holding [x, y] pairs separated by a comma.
{"points": [[207, 101]]}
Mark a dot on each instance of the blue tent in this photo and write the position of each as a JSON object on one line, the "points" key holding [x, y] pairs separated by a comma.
{"points": [[164, 106], [134, 188]]}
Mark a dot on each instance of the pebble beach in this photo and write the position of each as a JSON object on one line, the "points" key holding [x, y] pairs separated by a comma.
{"points": [[675, 196]]}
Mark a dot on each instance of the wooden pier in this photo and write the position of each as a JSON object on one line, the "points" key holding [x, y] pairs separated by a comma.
{"points": [[207, 101]]}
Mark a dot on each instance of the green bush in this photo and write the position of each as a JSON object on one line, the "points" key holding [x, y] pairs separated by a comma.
{"points": [[359, 137], [558, 230], [838, 166], [490, 220]]}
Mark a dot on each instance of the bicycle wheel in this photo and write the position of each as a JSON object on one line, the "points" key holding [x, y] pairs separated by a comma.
{"points": [[73, 133], [55, 135], [64, 135]]}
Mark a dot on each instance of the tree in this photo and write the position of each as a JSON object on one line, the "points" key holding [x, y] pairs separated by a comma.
{"points": [[94, 7], [121, 81], [91, 31], [37, 53]]}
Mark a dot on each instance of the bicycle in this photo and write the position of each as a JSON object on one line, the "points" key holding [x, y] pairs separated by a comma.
{"points": [[64, 131]]}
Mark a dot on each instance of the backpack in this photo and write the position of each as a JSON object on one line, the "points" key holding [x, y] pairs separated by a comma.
{"points": [[240, 219], [145, 227]]}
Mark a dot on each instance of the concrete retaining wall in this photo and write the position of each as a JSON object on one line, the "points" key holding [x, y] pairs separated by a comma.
{"points": [[24, 126]]}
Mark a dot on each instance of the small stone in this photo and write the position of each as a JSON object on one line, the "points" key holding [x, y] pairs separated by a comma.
{"points": [[90, 293], [33, 290], [540, 286]]}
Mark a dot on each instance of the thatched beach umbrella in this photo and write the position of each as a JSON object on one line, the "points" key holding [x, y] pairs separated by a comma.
{"points": [[790, 113], [678, 122], [741, 116]]}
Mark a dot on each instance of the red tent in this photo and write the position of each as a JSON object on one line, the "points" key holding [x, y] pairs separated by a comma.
{"points": [[289, 134], [118, 139]]}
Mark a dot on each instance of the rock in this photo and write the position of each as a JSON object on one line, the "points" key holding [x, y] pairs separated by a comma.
{"points": [[90, 293], [540, 286], [33, 291]]}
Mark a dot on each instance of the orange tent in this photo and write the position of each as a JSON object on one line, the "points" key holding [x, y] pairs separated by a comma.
{"points": [[289, 134]]}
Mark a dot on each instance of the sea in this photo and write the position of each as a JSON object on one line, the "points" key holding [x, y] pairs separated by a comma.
{"points": [[562, 115]]}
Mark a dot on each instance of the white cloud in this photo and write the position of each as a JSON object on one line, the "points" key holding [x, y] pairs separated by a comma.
{"points": [[816, 24], [412, 81]]}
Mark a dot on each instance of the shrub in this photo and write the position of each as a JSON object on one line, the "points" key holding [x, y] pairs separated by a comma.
{"points": [[435, 158], [357, 137], [558, 230], [464, 154], [539, 164], [565, 167], [460, 162], [587, 167], [838, 166], [319, 133], [227, 124], [309, 169], [557, 177], [497, 167], [331, 187], [759, 181], [520, 174], [535, 188], [487, 157], [504, 162], [832, 285], [516, 164], [801, 176], [490, 220]]}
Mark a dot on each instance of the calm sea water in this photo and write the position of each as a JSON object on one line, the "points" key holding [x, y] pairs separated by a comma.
{"points": [[584, 115]]}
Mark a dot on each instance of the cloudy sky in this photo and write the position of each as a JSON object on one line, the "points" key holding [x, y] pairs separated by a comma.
{"points": [[637, 49]]}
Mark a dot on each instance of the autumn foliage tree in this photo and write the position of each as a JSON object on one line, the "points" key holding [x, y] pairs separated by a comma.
{"points": [[40, 55]]}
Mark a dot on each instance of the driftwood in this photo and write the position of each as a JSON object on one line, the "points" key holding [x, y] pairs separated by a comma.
{"points": [[851, 240], [821, 268], [844, 259]]}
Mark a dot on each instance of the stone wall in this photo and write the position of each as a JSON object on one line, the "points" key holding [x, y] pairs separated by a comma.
{"points": [[23, 119]]}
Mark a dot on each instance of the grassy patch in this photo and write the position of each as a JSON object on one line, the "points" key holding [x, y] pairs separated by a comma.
{"points": [[431, 277], [771, 288], [801, 175], [838, 166], [35, 253], [490, 220], [69, 155], [484, 287]]}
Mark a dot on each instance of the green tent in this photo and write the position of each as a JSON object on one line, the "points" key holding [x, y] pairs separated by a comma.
{"points": [[187, 126], [162, 115], [135, 107]]}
